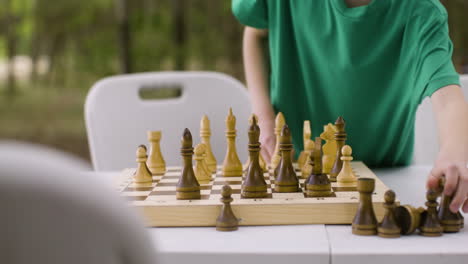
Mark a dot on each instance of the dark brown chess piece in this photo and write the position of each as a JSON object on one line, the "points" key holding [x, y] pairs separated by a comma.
{"points": [[451, 222], [408, 218], [389, 227], [226, 220], [430, 224], [340, 137], [188, 187], [365, 222], [286, 180], [254, 185], [317, 184]]}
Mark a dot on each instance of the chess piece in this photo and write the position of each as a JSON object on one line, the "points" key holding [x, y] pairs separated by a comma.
{"points": [[389, 228], [306, 169], [317, 184], [340, 138], [451, 222], [262, 162], [205, 134], [156, 163], [329, 148], [188, 187], [430, 224], [286, 179], [365, 222], [254, 185], [306, 133], [408, 218], [142, 173], [279, 123], [232, 167], [346, 177], [226, 220], [202, 172]]}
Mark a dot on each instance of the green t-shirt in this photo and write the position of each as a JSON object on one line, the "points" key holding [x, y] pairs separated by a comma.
{"points": [[371, 64]]}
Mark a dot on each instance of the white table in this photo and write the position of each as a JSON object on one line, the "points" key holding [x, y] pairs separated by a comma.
{"points": [[314, 243]]}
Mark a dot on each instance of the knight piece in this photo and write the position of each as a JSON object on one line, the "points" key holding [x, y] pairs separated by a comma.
{"points": [[205, 134], [329, 148], [306, 133], [306, 169], [317, 184], [279, 123]]}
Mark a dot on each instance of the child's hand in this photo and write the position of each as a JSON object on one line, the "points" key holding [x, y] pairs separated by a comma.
{"points": [[456, 181], [267, 139]]}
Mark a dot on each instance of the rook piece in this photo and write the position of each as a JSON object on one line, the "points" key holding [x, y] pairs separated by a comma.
{"points": [[365, 222], [205, 134], [232, 167], [226, 221], [306, 169], [389, 228], [340, 138], [346, 177], [279, 123], [188, 187], [142, 173], [261, 160], [156, 162], [329, 149], [307, 133], [408, 218], [430, 224], [317, 184], [451, 222], [286, 180], [202, 172], [254, 185]]}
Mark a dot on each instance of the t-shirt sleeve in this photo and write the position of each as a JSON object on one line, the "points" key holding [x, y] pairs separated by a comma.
{"points": [[435, 68], [251, 13]]}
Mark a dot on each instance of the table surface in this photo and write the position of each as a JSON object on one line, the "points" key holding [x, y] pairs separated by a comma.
{"points": [[313, 243]]}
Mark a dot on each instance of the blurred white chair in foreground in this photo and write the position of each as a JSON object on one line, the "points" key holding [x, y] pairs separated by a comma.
{"points": [[118, 117], [426, 140], [53, 214]]}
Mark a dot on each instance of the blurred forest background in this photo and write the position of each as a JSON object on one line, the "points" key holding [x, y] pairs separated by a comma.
{"points": [[52, 51]]}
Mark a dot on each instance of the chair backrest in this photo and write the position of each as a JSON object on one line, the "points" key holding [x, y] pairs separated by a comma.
{"points": [[117, 118], [426, 140]]}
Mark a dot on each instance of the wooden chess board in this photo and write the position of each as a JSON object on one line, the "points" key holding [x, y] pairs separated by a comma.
{"points": [[160, 207]]}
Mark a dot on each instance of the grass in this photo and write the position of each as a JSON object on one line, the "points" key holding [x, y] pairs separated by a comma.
{"points": [[46, 115]]}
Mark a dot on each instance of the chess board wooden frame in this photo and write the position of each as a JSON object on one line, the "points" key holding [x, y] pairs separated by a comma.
{"points": [[160, 208]]}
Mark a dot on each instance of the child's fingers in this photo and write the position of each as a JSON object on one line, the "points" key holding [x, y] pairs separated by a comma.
{"points": [[462, 192], [465, 207], [266, 156], [451, 174], [433, 179]]}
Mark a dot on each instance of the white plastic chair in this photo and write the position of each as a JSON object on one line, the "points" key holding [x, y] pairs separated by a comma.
{"points": [[426, 140], [117, 118]]}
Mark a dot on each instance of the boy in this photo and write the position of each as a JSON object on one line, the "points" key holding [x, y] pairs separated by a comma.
{"points": [[371, 62]]}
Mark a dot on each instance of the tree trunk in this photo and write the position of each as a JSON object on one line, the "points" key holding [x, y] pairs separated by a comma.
{"points": [[179, 34], [123, 24], [11, 43]]}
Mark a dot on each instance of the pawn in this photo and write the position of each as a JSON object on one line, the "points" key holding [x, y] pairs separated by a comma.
{"points": [[226, 220], [365, 222], [286, 180], [346, 177], [142, 173], [156, 162], [430, 224], [317, 184], [389, 227], [188, 187], [306, 169], [202, 172]]}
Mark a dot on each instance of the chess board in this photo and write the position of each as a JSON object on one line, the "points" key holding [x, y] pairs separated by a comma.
{"points": [[158, 203]]}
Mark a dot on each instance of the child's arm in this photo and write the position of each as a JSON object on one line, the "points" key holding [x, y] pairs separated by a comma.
{"points": [[451, 111], [257, 83]]}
